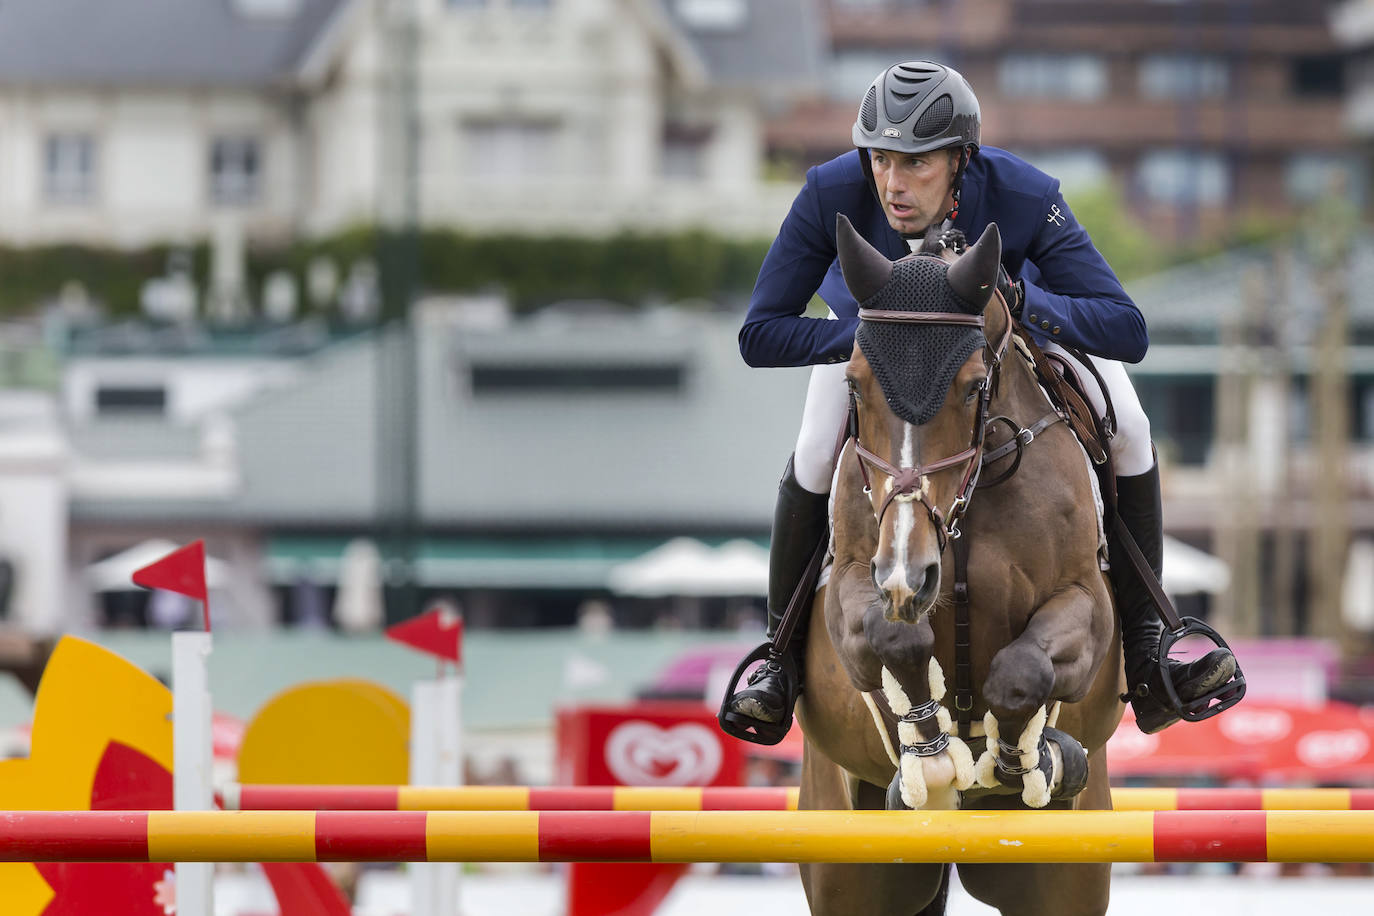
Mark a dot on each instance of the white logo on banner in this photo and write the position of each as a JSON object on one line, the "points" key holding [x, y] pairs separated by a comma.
{"points": [[1255, 726], [642, 754], [1131, 743], [1328, 749]]}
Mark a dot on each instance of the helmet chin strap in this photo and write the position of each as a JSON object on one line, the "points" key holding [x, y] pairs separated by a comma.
{"points": [[958, 183]]}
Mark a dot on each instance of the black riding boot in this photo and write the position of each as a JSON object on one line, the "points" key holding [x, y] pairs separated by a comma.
{"points": [[1138, 504], [800, 519]]}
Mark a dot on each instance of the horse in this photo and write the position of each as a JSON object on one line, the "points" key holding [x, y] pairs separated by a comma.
{"points": [[940, 403]]}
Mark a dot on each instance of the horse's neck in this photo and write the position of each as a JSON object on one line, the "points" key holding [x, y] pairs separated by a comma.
{"points": [[1019, 395]]}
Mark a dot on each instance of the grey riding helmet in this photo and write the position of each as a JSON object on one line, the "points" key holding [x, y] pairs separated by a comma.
{"points": [[918, 106], [915, 107]]}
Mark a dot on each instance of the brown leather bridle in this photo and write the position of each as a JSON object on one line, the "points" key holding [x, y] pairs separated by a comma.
{"points": [[907, 482]]}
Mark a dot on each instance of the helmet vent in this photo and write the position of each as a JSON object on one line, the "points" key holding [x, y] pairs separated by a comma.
{"points": [[868, 114], [909, 74], [935, 119]]}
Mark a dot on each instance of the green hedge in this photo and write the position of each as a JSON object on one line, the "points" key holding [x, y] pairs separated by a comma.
{"points": [[533, 271], [627, 268]]}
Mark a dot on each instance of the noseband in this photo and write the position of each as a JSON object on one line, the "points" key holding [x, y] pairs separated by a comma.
{"points": [[908, 484]]}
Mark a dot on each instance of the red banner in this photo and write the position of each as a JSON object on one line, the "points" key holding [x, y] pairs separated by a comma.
{"points": [[645, 744]]}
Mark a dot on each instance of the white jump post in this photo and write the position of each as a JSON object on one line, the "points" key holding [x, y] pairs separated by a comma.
{"points": [[436, 758], [436, 754], [192, 761], [183, 571]]}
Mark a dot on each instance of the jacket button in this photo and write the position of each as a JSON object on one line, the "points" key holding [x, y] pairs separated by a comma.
{"points": [[1055, 330], [1045, 325], [1033, 319]]}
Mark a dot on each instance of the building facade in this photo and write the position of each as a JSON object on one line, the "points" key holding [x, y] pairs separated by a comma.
{"points": [[131, 122], [1203, 114]]}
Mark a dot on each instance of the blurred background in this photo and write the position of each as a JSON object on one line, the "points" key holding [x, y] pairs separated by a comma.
{"points": [[405, 301]]}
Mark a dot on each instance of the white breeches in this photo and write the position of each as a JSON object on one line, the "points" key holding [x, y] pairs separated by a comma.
{"points": [[827, 408]]}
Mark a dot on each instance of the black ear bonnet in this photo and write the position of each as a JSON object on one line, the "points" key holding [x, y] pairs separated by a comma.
{"points": [[913, 363]]}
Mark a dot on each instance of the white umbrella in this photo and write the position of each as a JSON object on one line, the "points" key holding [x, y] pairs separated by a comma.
{"points": [[687, 567], [1188, 570], [114, 574]]}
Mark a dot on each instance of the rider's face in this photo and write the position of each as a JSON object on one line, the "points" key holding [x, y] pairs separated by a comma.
{"points": [[914, 187]]}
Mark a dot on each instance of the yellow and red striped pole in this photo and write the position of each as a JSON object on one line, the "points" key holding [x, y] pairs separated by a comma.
{"points": [[687, 836], [507, 798], [622, 798]]}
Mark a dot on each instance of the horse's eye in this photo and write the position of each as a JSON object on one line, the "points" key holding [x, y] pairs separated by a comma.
{"points": [[973, 392]]}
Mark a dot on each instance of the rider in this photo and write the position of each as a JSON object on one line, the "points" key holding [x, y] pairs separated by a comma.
{"points": [[919, 164]]}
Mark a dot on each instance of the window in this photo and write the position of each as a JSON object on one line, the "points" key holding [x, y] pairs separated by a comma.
{"points": [[1184, 177], [511, 148], [1178, 76], [851, 71], [1080, 77], [575, 379], [69, 168], [713, 15], [684, 150], [1318, 76], [1181, 411], [1075, 168], [1308, 177], [129, 399], [267, 9], [234, 170]]}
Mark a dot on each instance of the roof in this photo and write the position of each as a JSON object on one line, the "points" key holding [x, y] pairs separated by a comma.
{"points": [[140, 42], [1198, 298]]}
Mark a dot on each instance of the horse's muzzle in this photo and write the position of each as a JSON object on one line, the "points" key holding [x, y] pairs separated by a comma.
{"points": [[909, 593]]}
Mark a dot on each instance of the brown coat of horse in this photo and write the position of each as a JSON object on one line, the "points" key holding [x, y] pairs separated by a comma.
{"points": [[1043, 626]]}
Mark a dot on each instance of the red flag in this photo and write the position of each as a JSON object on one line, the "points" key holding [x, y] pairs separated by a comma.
{"points": [[181, 571], [438, 631]]}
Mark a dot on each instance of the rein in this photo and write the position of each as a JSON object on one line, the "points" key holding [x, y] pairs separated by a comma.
{"points": [[910, 483]]}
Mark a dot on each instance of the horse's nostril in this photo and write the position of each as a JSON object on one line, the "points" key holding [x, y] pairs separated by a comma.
{"points": [[930, 580]]}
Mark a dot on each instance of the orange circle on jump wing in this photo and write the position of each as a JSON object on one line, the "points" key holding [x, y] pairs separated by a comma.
{"points": [[337, 732]]}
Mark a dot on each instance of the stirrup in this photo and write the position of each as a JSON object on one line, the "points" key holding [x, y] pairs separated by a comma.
{"points": [[1203, 707], [748, 728]]}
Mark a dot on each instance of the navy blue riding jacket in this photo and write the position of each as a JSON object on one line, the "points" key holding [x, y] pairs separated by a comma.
{"points": [[1072, 296]]}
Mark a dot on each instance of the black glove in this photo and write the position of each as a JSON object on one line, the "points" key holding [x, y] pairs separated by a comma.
{"points": [[1014, 291]]}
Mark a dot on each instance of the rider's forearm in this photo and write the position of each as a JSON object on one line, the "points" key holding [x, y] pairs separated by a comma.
{"points": [[1102, 326]]}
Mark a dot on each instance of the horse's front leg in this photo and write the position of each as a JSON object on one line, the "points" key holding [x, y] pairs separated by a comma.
{"points": [[934, 764], [1056, 658]]}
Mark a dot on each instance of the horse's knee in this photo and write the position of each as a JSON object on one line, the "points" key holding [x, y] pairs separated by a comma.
{"points": [[1019, 682], [902, 647]]}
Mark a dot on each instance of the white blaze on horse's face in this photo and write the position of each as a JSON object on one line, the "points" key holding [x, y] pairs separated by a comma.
{"points": [[903, 568]]}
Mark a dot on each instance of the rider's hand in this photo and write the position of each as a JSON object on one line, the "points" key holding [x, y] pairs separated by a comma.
{"points": [[1013, 291]]}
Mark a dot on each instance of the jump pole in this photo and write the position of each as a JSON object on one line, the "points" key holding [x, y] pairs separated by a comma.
{"points": [[687, 836], [721, 798]]}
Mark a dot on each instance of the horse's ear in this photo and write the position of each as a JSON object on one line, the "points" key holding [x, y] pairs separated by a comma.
{"points": [[866, 269], [974, 275]]}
